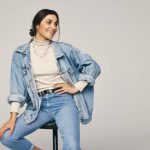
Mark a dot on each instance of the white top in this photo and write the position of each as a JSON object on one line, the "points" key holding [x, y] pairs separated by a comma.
{"points": [[45, 69]]}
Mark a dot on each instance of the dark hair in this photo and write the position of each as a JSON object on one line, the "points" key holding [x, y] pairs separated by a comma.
{"points": [[39, 17]]}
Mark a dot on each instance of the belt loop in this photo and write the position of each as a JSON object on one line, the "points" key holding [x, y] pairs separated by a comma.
{"points": [[50, 91]]}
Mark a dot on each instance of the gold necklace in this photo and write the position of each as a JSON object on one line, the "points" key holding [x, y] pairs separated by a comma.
{"points": [[37, 51]]}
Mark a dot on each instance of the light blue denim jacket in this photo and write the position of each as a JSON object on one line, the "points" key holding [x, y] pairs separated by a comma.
{"points": [[73, 66]]}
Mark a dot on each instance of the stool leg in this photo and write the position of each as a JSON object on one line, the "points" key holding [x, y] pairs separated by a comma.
{"points": [[55, 139]]}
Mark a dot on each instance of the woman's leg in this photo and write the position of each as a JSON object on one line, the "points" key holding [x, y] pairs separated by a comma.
{"points": [[69, 126], [66, 115], [17, 141]]}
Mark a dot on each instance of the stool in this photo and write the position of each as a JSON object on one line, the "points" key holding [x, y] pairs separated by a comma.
{"points": [[53, 126]]}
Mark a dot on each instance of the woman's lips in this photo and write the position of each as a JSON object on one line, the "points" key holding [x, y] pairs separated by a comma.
{"points": [[52, 32]]}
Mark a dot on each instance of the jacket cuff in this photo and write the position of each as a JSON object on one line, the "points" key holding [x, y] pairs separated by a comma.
{"points": [[16, 98], [89, 79], [15, 107], [80, 85]]}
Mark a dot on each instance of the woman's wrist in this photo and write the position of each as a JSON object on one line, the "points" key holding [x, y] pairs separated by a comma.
{"points": [[13, 116], [80, 85]]}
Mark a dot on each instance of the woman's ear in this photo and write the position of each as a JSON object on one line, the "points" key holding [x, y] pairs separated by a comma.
{"points": [[37, 26]]}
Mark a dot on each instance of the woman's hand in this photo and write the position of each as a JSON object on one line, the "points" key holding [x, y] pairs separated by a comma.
{"points": [[9, 125], [65, 87]]}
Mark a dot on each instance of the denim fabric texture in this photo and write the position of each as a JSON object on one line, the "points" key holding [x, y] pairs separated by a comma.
{"points": [[58, 107], [73, 64]]}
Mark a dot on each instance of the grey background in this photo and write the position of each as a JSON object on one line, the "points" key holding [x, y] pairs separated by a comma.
{"points": [[116, 33]]}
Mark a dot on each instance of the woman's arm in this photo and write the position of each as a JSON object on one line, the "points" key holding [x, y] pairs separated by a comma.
{"points": [[17, 94], [89, 69], [18, 89]]}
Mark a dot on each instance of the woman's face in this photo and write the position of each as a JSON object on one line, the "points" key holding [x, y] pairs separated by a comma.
{"points": [[47, 28]]}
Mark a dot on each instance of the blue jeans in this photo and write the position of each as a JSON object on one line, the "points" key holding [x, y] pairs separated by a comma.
{"points": [[58, 107]]}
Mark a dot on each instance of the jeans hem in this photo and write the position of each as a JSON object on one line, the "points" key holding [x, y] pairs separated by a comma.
{"points": [[32, 146]]}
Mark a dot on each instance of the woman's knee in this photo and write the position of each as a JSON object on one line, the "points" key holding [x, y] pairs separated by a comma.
{"points": [[8, 140]]}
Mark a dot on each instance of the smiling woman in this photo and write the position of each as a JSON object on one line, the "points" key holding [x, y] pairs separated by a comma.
{"points": [[47, 28], [55, 80]]}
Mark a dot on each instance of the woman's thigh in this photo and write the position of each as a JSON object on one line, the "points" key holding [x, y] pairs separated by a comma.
{"points": [[67, 118], [22, 129]]}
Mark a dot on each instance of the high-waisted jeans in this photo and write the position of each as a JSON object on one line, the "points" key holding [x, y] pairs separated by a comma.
{"points": [[58, 107]]}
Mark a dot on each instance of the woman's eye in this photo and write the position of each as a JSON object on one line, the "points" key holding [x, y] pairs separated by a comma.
{"points": [[48, 22], [56, 24]]}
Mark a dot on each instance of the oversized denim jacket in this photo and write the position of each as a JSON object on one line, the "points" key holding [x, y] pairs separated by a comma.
{"points": [[73, 66]]}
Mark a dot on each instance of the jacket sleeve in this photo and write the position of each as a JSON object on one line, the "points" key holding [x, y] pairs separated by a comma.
{"points": [[89, 69], [17, 83]]}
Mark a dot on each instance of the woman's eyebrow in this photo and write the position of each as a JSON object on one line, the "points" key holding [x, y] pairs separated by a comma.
{"points": [[51, 20]]}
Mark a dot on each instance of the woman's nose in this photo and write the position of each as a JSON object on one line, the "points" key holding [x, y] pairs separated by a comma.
{"points": [[53, 26]]}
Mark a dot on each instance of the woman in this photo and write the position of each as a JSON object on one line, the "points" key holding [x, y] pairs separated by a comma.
{"points": [[55, 81]]}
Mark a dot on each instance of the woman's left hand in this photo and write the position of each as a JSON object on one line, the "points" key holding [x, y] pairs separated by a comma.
{"points": [[65, 87]]}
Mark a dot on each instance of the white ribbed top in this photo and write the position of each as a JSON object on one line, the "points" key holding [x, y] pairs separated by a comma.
{"points": [[45, 69]]}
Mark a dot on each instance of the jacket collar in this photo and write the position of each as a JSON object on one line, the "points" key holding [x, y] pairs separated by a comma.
{"points": [[55, 45]]}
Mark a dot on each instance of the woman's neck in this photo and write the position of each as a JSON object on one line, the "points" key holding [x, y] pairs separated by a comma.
{"points": [[41, 42]]}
